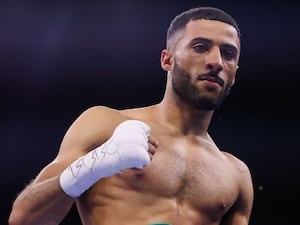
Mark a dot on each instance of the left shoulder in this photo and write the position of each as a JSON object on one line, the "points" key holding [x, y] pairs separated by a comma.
{"points": [[242, 208], [244, 179], [238, 165]]}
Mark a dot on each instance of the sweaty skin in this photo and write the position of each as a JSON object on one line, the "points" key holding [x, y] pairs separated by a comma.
{"points": [[189, 180]]}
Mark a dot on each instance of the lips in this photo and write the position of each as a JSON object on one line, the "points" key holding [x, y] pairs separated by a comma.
{"points": [[211, 79]]}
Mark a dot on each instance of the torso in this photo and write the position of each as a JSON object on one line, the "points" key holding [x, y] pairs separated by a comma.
{"points": [[188, 182]]}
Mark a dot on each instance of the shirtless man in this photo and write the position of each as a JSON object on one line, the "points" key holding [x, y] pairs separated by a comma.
{"points": [[155, 164]]}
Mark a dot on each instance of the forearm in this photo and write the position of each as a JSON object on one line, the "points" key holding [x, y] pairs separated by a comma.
{"points": [[41, 203], [47, 200]]}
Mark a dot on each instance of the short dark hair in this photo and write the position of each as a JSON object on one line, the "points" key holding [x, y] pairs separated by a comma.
{"points": [[207, 13]]}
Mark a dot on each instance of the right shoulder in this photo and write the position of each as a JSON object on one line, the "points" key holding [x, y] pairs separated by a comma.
{"points": [[91, 128], [99, 117], [99, 112]]}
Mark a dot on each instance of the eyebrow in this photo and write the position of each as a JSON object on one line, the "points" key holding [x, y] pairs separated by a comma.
{"points": [[209, 42], [200, 39]]}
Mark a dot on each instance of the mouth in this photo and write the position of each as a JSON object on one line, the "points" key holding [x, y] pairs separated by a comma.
{"points": [[211, 78]]}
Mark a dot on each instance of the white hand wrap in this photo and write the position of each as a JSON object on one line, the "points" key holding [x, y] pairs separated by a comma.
{"points": [[127, 148]]}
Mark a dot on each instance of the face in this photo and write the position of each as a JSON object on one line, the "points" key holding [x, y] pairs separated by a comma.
{"points": [[204, 63], [194, 96]]}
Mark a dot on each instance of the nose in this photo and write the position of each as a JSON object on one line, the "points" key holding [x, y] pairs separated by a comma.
{"points": [[214, 60]]}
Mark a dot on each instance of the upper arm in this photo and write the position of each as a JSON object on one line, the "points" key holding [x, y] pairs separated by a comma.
{"points": [[92, 128], [240, 212]]}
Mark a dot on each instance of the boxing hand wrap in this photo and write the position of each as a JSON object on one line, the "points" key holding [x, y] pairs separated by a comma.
{"points": [[127, 148]]}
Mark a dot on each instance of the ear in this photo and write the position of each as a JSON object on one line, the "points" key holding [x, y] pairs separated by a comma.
{"points": [[166, 60], [233, 82]]}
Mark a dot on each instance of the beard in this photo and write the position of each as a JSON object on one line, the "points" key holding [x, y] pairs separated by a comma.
{"points": [[183, 87]]}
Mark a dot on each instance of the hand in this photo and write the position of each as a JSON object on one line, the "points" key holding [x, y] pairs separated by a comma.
{"points": [[131, 143], [129, 147]]}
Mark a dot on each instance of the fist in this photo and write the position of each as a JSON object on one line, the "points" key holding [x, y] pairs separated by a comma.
{"points": [[133, 144]]}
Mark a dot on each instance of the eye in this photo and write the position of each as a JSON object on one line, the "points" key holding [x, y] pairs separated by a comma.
{"points": [[200, 48], [228, 53]]}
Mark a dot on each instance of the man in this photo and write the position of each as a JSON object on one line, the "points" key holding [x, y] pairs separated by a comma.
{"points": [[155, 164]]}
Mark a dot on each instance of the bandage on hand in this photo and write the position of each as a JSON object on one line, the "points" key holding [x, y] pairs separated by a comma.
{"points": [[127, 148]]}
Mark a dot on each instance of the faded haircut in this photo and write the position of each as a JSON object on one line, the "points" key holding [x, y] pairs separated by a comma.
{"points": [[207, 13]]}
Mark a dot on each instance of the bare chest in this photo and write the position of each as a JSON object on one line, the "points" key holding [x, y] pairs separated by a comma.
{"points": [[199, 176]]}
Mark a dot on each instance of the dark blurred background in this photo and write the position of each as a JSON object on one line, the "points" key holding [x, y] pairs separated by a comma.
{"points": [[58, 58]]}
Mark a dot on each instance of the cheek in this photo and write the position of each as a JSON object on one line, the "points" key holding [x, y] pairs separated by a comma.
{"points": [[185, 58], [230, 71], [231, 78], [193, 65]]}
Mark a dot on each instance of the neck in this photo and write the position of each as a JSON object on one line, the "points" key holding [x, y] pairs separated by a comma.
{"points": [[183, 118]]}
